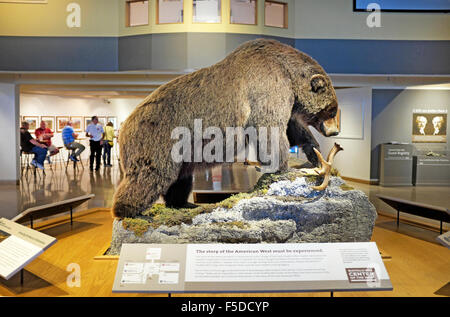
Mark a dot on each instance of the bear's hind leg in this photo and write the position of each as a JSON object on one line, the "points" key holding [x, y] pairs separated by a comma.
{"points": [[137, 194], [178, 193]]}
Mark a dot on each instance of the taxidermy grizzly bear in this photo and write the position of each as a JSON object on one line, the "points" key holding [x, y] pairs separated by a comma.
{"points": [[263, 83]]}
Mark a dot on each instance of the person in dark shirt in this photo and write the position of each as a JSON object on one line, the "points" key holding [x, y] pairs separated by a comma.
{"points": [[28, 144]]}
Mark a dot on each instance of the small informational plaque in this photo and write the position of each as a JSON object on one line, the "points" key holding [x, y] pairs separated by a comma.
{"points": [[21, 247], [300, 267], [444, 239]]}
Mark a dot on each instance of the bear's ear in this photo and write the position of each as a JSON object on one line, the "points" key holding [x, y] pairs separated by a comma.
{"points": [[318, 83]]}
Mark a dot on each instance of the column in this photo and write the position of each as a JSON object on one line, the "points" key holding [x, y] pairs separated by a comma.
{"points": [[9, 136]]}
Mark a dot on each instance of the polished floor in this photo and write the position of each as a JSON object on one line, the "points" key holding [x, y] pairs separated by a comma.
{"points": [[417, 265]]}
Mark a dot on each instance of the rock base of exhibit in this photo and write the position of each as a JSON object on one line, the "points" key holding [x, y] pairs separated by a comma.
{"points": [[281, 209]]}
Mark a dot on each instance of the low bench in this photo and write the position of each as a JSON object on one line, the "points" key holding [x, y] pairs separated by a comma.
{"points": [[441, 214], [51, 209]]}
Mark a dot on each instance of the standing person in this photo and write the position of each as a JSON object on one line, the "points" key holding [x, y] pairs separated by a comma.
{"points": [[108, 142], [28, 144], [44, 135], [95, 132], [69, 136]]}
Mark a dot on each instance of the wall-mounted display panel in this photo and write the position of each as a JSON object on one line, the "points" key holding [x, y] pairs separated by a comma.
{"points": [[169, 11], [207, 11], [137, 13], [429, 126], [243, 12], [351, 120], [276, 14]]}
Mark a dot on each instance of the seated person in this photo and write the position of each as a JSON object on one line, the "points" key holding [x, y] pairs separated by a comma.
{"points": [[28, 144], [44, 135], [69, 136]]}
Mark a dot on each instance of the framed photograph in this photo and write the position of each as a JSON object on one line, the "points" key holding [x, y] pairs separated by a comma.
{"points": [[87, 121], [49, 121], [32, 121], [77, 123], [102, 121], [61, 122], [114, 122], [429, 126]]}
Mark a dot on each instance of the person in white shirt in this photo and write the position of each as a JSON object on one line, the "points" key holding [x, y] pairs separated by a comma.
{"points": [[94, 131]]}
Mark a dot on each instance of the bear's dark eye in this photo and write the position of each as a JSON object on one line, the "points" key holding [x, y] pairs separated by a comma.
{"points": [[318, 83]]}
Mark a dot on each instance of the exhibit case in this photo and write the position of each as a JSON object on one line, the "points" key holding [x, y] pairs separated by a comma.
{"points": [[431, 168], [396, 164]]}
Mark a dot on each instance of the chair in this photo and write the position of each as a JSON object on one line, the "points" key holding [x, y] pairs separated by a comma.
{"points": [[25, 161], [69, 153]]}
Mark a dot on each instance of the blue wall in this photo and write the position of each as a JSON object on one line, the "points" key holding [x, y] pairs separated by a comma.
{"points": [[178, 51], [58, 53]]}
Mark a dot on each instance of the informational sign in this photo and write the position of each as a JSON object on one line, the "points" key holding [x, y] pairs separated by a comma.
{"points": [[398, 153], [300, 267], [444, 239], [21, 247]]}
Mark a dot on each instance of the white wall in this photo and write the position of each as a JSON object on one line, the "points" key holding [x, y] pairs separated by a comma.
{"points": [[41, 105], [355, 136], [9, 140], [335, 19]]}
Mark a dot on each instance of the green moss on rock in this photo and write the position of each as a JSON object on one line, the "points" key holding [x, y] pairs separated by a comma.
{"points": [[266, 180], [159, 214], [138, 226]]}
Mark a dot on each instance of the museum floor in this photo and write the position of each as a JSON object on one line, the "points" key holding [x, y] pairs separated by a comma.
{"points": [[417, 264]]}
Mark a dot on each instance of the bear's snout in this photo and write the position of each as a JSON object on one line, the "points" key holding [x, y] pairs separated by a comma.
{"points": [[330, 127]]}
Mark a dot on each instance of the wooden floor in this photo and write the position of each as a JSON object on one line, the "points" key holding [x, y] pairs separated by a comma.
{"points": [[419, 266]]}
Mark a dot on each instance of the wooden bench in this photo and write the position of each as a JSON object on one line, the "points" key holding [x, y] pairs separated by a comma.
{"points": [[51, 209], [441, 214]]}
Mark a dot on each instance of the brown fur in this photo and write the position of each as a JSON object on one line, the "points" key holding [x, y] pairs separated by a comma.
{"points": [[261, 84]]}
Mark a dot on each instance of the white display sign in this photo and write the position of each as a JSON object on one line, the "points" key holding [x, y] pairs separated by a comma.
{"points": [[21, 247], [14, 254], [352, 262], [294, 267]]}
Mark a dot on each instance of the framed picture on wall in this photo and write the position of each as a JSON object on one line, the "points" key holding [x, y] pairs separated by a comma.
{"points": [[102, 121], [87, 121], [77, 123], [49, 122], [61, 122], [113, 120], [429, 126], [32, 121]]}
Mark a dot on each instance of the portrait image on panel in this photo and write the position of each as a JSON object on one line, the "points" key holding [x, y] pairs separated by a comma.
{"points": [[429, 127]]}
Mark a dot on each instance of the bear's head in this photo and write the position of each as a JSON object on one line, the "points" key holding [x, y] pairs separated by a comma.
{"points": [[315, 98]]}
